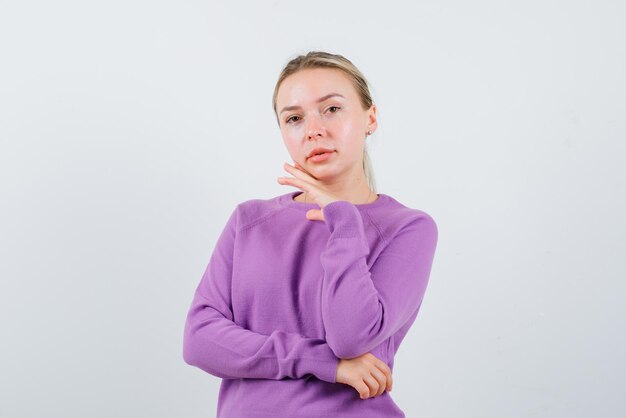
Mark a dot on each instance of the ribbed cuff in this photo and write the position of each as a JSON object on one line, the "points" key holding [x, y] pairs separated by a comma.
{"points": [[343, 219], [323, 365]]}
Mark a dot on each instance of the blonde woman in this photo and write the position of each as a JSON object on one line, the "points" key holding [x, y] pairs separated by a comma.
{"points": [[308, 295]]}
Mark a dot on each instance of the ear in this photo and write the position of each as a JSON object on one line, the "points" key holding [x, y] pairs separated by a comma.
{"points": [[372, 122]]}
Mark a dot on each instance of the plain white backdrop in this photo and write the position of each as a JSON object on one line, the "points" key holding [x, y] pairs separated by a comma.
{"points": [[130, 129]]}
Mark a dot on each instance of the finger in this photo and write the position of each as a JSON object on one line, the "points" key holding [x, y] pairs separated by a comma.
{"points": [[372, 384], [298, 172], [382, 380], [315, 215], [299, 167], [296, 182], [311, 175], [363, 389], [387, 371]]}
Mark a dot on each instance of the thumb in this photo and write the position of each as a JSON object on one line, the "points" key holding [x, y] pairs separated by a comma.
{"points": [[315, 215]]}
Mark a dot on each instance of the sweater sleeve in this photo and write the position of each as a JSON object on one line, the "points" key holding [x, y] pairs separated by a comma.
{"points": [[362, 306], [213, 342]]}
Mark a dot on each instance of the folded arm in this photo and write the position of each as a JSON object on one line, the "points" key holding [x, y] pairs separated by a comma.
{"points": [[362, 307], [213, 342]]}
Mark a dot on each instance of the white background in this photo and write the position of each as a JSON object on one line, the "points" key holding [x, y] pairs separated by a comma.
{"points": [[130, 129]]}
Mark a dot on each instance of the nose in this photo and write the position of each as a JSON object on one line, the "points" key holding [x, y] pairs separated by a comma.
{"points": [[315, 128]]}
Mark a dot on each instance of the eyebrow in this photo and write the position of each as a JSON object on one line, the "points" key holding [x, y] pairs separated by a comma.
{"points": [[321, 99]]}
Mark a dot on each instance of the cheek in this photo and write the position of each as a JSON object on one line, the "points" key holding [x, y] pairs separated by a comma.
{"points": [[292, 135], [343, 126], [292, 144], [349, 133]]}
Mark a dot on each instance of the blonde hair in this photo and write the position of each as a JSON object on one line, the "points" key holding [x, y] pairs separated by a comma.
{"points": [[320, 59]]}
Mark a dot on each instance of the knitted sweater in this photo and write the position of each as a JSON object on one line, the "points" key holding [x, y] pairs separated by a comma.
{"points": [[283, 298]]}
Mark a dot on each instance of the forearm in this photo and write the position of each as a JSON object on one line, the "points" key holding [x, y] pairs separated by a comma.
{"points": [[363, 306], [222, 348]]}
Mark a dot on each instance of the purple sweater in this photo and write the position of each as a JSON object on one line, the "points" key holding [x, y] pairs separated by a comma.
{"points": [[283, 298]]}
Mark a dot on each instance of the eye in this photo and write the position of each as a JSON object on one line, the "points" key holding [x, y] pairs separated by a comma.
{"points": [[289, 120]]}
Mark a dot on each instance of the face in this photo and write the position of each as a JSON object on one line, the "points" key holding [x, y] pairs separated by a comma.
{"points": [[312, 119]]}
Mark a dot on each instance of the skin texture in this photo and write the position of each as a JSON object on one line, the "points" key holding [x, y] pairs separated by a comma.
{"points": [[369, 375], [340, 124]]}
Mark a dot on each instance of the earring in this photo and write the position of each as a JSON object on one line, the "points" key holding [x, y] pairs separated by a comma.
{"points": [[369, 132]]}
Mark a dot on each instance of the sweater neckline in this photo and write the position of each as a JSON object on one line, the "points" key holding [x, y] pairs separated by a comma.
{"points": [[287, 200]]}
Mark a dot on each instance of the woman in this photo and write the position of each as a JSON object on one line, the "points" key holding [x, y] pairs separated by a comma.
{"points": [[308, 295]]}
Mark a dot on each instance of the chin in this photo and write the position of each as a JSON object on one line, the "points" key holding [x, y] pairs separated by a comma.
{"points": [[322, 173]]}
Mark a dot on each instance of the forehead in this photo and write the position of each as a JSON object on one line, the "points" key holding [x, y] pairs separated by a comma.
{"points": [[310, 84]]}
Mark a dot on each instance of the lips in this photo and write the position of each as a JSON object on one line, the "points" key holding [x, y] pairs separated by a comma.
{"points": [[318, 151]]}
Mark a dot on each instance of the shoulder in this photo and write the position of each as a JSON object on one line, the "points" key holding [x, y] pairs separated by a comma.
{"points": [[395, 217], [253, 211]]}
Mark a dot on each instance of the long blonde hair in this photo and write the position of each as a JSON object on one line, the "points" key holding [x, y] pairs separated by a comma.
{"points": [[320, 59]]}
